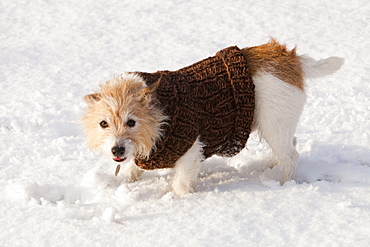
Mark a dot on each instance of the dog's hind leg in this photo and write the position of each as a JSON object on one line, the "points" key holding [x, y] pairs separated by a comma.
{"points": [[278, 108], [287, 157], [186, 170]]}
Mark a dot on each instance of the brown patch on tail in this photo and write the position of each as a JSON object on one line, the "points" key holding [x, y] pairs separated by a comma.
{"points": [[276, 59]]}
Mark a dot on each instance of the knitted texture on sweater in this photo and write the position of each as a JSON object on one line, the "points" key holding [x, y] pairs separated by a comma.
{"points": [[212, 99]]}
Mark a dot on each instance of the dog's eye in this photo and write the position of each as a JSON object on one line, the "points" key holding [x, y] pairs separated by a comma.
{"points": [[131, 123], [104, 124]]}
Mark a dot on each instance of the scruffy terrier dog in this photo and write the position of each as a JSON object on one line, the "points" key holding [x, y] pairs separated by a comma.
{"points": [[176, 119]]}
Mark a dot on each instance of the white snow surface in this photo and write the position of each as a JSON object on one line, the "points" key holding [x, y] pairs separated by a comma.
{"points": [[55, 192]]}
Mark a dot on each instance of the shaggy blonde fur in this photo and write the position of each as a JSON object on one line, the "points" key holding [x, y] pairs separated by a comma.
{"points": [[124, 98]]}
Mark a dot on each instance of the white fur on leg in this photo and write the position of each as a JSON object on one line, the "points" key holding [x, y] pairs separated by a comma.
{"points": [[131, 171], [186, 170], [278, 108]]}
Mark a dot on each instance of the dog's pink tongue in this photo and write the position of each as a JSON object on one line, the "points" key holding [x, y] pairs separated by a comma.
{"points": [[119, 159]]}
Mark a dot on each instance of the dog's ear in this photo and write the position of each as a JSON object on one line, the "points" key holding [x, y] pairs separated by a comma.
{"points": [[92, 98], [151, 88], [148, 91]]}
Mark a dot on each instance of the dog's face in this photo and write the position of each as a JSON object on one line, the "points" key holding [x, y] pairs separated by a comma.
{"points": [[121, 119]]}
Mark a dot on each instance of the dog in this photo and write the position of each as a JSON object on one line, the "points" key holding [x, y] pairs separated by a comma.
{"points": [[178, 119]]}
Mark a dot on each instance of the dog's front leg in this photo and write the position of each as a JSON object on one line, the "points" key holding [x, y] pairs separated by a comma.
{"points": [[131, 171], [186, 170]]}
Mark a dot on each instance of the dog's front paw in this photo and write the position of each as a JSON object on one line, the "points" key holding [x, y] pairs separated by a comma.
{"points": [[131, 173], [182, 188]]}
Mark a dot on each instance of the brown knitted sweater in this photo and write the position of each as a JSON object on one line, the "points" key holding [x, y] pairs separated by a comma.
{"points": [[212, 99]]}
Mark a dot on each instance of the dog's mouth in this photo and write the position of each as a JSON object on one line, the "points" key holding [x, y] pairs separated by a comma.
{"points": [[119, 159]]}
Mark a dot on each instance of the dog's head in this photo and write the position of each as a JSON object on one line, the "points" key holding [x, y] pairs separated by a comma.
{"points": [[122, 119]]}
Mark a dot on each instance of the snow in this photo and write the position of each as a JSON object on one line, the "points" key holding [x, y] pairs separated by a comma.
{"points": [[57, 193]]}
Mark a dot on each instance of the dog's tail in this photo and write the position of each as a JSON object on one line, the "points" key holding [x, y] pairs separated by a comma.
{"points": [[314, 69]]}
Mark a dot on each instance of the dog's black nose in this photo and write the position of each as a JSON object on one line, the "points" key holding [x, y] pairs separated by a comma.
{"points": [[118, 151]]}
